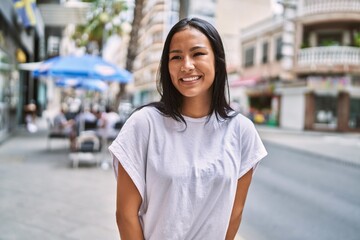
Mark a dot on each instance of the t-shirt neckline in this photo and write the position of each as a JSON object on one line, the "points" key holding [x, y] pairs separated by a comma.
{"points": [[192, 119]]}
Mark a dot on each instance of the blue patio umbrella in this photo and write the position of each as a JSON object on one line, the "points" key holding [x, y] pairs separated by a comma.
{"points": [[79, 83], [67, 82], [85, 66], [93, 85]]}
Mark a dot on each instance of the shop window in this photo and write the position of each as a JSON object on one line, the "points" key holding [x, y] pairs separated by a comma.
{"points": [[5, 68], [260, 108], [325, 112], [354, 118], [356, 81], [5, 94]]}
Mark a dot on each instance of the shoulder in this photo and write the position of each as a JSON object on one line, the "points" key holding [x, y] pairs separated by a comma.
{"points": [[242, 124], [145, 113], [241, 120], [143, 116]]}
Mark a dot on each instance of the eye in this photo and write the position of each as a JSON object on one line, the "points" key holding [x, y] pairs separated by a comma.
{"points": [[199, 54], [176, 57]]}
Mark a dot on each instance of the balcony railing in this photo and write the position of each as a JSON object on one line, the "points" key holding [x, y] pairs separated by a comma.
{"points": [[334, 55], [263, 26], [326, 6]]}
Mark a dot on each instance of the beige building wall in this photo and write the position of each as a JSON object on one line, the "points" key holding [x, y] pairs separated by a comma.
{"points": [[233, 15], [158, 17]]}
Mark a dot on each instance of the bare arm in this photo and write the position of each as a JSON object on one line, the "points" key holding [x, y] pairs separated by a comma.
{"points": [[128, 201], [239, 203]]}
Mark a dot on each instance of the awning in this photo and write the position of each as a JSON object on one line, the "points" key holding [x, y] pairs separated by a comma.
{"points": [[31, 66], [245, 81]]}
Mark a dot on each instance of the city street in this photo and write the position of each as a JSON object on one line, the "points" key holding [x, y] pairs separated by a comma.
{"points": [[296, 193], [302, 196], [72, 72]]}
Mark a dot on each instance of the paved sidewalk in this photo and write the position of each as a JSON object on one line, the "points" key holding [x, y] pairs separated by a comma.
{"points": [[43, 197], [342, 147]]}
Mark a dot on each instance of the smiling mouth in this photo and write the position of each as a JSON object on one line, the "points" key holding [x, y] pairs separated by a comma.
{"points": [[190, 79]]}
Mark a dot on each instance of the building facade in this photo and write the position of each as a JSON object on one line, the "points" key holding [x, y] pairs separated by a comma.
{"points": [[21, 34], [233, 15], [158, 17], [302, 68]]}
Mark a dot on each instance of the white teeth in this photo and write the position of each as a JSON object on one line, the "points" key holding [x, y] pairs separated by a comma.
{"points": [[189, 79]]}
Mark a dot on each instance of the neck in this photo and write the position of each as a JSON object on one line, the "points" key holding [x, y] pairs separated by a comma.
{"points": [[195, 108]]}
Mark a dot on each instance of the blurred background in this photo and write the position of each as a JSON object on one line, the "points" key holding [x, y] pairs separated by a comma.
{"points": [[293, 64], [293, 68]]}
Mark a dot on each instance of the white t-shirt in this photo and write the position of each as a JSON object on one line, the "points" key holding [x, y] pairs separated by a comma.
{"points": [[187, 176]]}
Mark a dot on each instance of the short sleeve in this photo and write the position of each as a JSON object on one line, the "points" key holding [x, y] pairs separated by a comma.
{"points": [[130, 149], [252, 148]]}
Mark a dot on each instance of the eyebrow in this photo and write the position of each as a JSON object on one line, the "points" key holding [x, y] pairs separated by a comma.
{"points": [[191, 49]]}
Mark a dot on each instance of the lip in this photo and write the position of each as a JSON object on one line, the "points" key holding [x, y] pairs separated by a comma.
{"points": [[190, 78]]}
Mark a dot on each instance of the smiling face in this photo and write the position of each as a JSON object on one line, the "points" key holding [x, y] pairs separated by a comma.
{"points": [[192, 64]]}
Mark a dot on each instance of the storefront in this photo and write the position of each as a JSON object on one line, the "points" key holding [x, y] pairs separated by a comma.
{"points": [[325, 103], [19, 43], [5, 71], [336, 103], [262, 104], [9, 88]]}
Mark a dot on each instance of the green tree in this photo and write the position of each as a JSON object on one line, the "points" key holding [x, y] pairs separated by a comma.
{"points": [[357, 39], [104, 19], [103, 14]]}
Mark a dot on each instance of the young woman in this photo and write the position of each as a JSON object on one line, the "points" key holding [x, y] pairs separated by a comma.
{"points": [[186, 162]]}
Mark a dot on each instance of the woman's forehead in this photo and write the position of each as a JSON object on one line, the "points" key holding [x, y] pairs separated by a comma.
{"points": [[189, 36]]}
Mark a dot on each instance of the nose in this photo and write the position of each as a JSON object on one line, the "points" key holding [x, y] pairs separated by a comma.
{"points": [[188, 65]]}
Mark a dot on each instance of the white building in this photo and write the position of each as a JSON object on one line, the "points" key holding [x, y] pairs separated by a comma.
{"points": [[303, 69]]}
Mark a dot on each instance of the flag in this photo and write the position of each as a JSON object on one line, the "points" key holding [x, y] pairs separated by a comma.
{"points": [[26, 11]]}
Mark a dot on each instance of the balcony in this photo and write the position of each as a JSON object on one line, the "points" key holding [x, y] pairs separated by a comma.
{"points": [[327, 6], [64, 14], [261, 27], [342, 56]]}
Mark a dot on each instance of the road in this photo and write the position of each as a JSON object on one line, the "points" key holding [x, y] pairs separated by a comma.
{"points": [[295, 195]]}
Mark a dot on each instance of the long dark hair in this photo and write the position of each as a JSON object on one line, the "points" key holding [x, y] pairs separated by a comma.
{"points": [[171, 99]]}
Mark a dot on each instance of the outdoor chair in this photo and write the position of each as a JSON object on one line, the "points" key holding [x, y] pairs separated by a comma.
{"points": [[88, 149], [90, 125], [55, 133]]}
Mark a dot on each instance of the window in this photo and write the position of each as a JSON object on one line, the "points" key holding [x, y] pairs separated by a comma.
{"points": [[53, 45], [175, 5], [354, 118], [329, 39], [356, 81], [249, 57], [278, 48], [265, 50]]}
